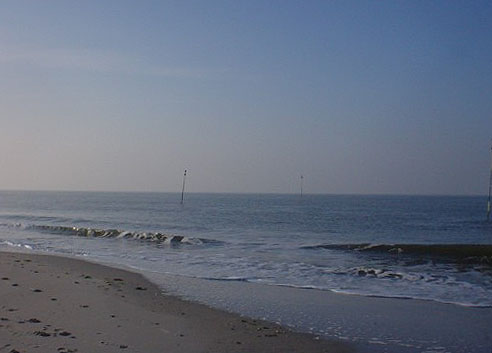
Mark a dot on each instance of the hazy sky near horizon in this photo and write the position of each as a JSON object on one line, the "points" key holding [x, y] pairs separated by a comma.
{"points": [[358, 96]]}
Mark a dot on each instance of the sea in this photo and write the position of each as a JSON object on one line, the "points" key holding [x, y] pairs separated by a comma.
{"points": [[435, 248]]}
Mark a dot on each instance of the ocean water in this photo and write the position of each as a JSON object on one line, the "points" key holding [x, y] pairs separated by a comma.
{"points": [[426, 247]]}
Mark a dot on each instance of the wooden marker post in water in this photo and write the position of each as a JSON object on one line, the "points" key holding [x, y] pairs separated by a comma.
{"points": [[490, 184], [302, 179], [183, 190]]}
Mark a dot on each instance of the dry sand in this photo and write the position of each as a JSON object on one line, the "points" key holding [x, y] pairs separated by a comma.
{"points": [[56, 304]]}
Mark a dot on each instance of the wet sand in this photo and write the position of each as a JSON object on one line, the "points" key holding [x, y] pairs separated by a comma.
{"points": [[371, 324], [57, 304]]}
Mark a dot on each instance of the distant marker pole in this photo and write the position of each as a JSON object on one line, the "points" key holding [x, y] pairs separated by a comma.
{"points": [[302, 179], [183, 190], [490, 185]]}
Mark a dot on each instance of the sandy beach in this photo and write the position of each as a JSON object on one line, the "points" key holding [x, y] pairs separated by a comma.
{"points": [[57, 304]]}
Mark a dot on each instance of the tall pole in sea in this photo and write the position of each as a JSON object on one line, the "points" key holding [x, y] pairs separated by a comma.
{"points": [[183, 189], [490, 184], [302, 179]]}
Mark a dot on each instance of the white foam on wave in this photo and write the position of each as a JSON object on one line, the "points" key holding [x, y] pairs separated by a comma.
{"points": [[112, 233], [16, 245]]}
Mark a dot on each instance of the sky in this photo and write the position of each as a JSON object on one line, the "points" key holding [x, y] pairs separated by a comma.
{"points": [[369, 97]]}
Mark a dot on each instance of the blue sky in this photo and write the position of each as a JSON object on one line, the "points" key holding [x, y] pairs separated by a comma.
{"points": [[358, 96]]}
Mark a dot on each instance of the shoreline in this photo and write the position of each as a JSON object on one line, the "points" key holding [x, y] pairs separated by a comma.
{"points": [[370, 324], [352, 323], [56, 303]]}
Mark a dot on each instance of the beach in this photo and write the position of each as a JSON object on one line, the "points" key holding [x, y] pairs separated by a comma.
{"points": [[246, 176], [59, 304], [371, 324], [116, 270]]}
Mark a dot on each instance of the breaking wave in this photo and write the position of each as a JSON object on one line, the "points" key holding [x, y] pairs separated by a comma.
{"points": [[155, 237], [461, 253]]}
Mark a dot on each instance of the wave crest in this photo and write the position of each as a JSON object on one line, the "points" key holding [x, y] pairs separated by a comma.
{"points": [[156, 237], [465, 253]]}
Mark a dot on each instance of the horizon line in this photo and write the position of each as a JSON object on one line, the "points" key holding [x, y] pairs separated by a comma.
{"points": [[240, 193]]}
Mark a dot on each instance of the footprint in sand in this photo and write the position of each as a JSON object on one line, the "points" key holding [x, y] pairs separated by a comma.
{"points": [[42, 333], [66, 350]]}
